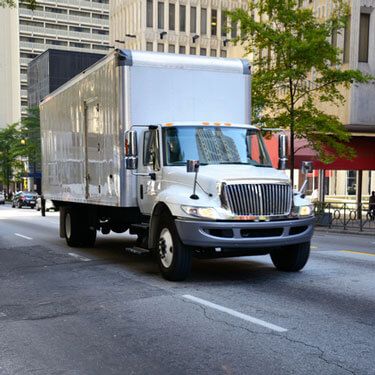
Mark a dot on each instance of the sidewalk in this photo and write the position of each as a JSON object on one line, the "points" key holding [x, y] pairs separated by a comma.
{"points": [[349, 230]]}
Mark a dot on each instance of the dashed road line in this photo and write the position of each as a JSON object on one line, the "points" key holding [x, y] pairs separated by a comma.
{"points": [[22, 236], [80, 257], [235, 313], [357, 252]]}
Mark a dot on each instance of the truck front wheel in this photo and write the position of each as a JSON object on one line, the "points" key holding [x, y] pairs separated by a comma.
{"points": [[174, 258], [291, 258], [77, 230]]}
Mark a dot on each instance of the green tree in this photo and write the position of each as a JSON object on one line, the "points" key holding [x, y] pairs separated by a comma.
{"points": [[30, 138], [10, 152], [296, 68], [13, 3]]}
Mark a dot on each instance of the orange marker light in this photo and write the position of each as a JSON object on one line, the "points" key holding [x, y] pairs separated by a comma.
{"points": [[169, 124], [205, 123], [217, 123]]}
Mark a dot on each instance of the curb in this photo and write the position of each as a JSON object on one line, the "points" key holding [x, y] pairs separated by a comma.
{"points": [[343, 231]]}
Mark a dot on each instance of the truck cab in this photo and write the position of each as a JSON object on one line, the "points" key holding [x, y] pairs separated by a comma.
{"points": [[232, 202]]}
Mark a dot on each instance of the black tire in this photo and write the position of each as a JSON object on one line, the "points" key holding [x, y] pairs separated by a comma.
{"points": [[181, 257], [19, 205], [32, 207], [291, 258], [77, 230]]}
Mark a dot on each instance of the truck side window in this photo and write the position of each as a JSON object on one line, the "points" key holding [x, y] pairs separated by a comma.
{"points": [[151, 155]]}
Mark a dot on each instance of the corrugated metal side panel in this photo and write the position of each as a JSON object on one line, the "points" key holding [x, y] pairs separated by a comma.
{"points": [[63, 140]]}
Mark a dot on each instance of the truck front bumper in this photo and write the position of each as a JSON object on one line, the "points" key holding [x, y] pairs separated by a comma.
{"points": [[245, 235]]}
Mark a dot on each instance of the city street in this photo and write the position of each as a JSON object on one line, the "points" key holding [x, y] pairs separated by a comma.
{"points": [[106, 311]]}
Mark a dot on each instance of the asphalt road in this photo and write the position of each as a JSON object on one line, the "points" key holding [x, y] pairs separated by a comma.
{"points": [[105, 311]]}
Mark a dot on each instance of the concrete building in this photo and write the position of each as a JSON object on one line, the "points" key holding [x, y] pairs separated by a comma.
{"points": [[195, 27], [9, 67], [78, 25]]}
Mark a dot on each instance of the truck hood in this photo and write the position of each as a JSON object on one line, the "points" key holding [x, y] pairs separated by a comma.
{"points": [[209, 175]]}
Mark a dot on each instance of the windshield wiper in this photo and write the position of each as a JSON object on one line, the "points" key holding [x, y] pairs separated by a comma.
{"points": [[263, 165]]}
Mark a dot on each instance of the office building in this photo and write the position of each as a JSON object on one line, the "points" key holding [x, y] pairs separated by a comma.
{"points": [[195, 27]]}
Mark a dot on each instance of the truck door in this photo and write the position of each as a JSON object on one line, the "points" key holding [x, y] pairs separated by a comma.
{"points": [[149, 187]]}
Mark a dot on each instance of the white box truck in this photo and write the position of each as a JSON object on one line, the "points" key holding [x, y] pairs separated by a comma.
{"points": [[161, 145]]}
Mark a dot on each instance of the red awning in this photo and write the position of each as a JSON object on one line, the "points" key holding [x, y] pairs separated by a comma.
{"points": [[363, 146]]}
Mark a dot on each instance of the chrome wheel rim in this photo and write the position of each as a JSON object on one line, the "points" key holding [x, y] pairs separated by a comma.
{"points": [[68, 225], [166, 248]]}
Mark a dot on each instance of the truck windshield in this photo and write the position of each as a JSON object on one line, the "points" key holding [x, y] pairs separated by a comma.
{"points": [[214, 145]]}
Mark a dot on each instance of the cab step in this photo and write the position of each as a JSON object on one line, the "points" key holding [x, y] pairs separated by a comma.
{"points": [[137, 250]]}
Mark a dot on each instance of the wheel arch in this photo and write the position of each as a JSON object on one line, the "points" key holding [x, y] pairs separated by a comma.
{"points": [[158, 210]]}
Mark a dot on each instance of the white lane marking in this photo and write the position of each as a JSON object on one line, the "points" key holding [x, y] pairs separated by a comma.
{"points": [[22, 236], [235, 313], [74, 255], [2, 315]]}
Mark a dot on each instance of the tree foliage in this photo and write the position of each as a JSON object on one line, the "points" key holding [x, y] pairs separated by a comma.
{"points": [[11, 166], [30, 136], [297, 68], [13, 3], [18, 142]]}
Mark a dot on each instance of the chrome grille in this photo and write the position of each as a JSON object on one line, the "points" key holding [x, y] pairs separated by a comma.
{"points": [[258, 199]]}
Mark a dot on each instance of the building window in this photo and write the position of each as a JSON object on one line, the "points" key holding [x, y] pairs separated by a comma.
{"points": [[193, 51], [213, 22], [213, 53], [346, 52], [203, 52], [56, 42], [224, 25], [172, 16], [223, 53], [171, 48], [233, 29], [160, 15], [364, 33], [193, 19], [160, 47], [203, 21], [56, 26], [351, 182], [182, 18], [149, 46], [149, 16], [182, 50]]}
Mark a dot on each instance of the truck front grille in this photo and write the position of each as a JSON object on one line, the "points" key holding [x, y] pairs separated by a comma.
{"points": [[258, 199]]}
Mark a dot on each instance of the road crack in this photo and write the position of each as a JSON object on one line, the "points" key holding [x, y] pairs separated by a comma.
{"points": [[320, 351]]}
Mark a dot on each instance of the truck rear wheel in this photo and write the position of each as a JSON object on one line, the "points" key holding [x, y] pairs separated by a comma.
{"points": [[174, 258], [77, 230], [291, 258]]}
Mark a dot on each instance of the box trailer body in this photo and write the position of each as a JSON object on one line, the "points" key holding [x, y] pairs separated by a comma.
{"points": [[162, 145], [84, 121]]}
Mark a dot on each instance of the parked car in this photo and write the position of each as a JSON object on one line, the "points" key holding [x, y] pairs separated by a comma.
{"points": [[2, 198], [49, 205], [24, 199]]}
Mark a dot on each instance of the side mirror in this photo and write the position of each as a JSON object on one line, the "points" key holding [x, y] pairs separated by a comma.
{"points": [[131, 150], [283, 149], [131, 163], [306, 167], [192, 166]]}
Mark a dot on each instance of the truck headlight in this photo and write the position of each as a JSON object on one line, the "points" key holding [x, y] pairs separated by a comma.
{"points": [[306, 210], [203, 212]]}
